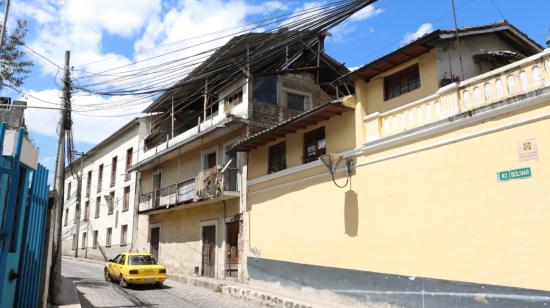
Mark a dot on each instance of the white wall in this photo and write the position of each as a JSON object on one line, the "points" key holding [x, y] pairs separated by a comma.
{"points": [[117, 147]]}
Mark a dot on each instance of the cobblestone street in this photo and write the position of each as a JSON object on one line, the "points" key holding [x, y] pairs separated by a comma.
{"points": [[94, 291]]}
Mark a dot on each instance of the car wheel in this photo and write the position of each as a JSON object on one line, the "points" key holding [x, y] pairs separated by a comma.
{"points": [[106, 275], [159, 284], [122, 282]]}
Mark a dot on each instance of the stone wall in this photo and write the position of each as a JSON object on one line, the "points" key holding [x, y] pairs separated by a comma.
{"points": [[267, 115]]}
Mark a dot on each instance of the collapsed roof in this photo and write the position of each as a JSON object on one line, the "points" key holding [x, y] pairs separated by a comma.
{"points": [[254, 54]]}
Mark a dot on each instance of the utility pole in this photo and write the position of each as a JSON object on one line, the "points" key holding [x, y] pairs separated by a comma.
{"points": [[59, 186], [78, 203], [3, 33]]}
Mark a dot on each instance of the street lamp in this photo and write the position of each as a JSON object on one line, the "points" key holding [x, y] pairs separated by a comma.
{"points": [[331, 161]]}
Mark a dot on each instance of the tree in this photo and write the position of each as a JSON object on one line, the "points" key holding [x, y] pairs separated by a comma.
{"points": [[14, 69]]}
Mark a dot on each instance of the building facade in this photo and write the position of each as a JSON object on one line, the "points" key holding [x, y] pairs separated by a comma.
{"points": [[191, 187], [416, 191], [105, 224]]}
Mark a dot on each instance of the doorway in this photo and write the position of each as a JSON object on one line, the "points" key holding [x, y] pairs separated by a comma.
{"points": [[209, 251], [154, 232], [232, 248]]}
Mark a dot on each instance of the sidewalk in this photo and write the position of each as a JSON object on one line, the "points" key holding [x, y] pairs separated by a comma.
{"points": [[264, 294], [69, 296]]}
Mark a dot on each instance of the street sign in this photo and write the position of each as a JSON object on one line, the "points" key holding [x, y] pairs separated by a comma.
{"points": [[515, 174]]}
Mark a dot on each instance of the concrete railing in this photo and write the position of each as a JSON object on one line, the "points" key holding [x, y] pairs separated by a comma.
{"points": [[508, 81]]}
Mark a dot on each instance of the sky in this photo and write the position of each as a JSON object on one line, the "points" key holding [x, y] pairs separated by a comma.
{"points": [[105, 34]]}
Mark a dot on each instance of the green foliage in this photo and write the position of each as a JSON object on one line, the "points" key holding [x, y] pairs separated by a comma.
{"points": [[14, 69]]}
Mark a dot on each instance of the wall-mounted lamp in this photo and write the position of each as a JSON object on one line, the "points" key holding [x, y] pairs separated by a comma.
{"points": [[331, 161]]}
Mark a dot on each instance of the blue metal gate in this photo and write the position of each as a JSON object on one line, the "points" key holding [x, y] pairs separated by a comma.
{"points": [[23, 211]]}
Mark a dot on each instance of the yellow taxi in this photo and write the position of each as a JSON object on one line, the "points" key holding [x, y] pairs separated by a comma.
{"points": [[135, 268]]}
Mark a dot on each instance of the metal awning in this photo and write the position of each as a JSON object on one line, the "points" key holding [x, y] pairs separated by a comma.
{"points": [[308, 118]]}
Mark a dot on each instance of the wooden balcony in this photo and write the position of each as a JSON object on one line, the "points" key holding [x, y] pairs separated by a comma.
{"points": [[519, 78], [210, 185]]}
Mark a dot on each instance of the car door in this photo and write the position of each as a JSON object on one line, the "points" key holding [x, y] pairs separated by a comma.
{"points": [[120, 265], [113, 266]]}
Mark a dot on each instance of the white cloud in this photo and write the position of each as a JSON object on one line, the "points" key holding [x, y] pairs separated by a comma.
{"points": [[366, 13], [421, 31], [349, 26]]}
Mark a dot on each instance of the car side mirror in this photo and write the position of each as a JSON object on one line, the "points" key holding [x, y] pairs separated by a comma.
{"points": [[111, 260]]}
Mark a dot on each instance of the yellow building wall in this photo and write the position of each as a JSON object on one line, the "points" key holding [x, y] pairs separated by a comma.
{"points": [[371, 94], [419, 209], [339, 133]]}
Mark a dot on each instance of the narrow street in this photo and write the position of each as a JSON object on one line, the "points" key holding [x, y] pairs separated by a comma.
{"points": [[94, 291]]}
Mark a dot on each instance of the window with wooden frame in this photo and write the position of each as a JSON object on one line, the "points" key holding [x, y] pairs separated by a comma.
{"points": [[66, 217], [123, 235], [277, 157], [402, 82], [97, 206], [84, 239], [86, 210], [113, 171], [126, 199], [111, 203], [129, 157], [69, 190], [314, 144], [89, 184], [297, 101], [95, 239], [235, 98], [99, 178], [108, 237]]}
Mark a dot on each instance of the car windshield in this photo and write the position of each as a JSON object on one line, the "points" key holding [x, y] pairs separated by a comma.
{"points": [[141, 260]]}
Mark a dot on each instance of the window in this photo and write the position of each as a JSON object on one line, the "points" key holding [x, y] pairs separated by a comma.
{"points": [[264, 89], [89, 183], [113, 171], [76, 214], [111, 203], [122, 259], [83, 245], [402, 82], [235, 98], [108, 237], [66, 217], [123, 235], [97, 206], [296, 101], [75, 238], [210, 160], [95, 239], [86, 210], [69, 191], [129, 154], [141, 260], [314, 144], [126, 200], [277, 157], [100, 178]]}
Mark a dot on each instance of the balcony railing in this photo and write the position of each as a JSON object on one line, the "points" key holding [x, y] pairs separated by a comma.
{"points": [[512, 80], [208, 184]]}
